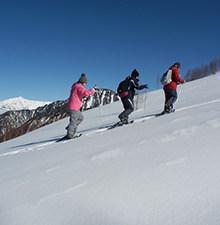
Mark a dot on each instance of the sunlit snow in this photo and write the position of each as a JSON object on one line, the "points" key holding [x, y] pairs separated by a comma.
{"points": [[163, 171]]}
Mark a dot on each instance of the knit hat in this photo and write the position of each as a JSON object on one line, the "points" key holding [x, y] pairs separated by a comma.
{"points": [[135, 73], [177, 64], [82, 79]]}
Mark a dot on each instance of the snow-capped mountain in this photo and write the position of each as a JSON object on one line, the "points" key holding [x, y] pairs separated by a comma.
{"points": [[164, 171], [19, 104]]}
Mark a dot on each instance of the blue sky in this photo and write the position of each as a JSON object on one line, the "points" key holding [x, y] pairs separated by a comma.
{"points": [[47, 44]]}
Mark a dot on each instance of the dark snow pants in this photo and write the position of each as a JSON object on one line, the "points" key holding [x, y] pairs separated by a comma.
{"points": [[76, 118], [170, 98], [128, 108]]}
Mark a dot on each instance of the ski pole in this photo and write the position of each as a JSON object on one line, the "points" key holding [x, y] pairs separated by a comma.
{"points": [[100, 109], [145, 103], [84, 102], [178, 95]]}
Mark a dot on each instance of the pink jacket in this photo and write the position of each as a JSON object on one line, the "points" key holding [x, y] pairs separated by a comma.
{"points": [[76, 94]]}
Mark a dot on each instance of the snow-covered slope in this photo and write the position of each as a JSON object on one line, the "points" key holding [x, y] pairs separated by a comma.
{"points": [[19, 104], [164, 171]]}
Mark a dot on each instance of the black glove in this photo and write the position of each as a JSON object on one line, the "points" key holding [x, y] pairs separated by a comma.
{"points": [[96, 88]]}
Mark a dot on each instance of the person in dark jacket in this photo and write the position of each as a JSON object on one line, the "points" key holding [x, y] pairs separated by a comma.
{"points": [[170, 89], [128, 96]]}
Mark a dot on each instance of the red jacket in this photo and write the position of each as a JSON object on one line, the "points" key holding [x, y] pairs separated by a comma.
{"points": [[175, 79]]}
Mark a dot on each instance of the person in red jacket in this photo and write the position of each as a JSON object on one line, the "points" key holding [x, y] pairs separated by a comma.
{"points": [[170, 89], [77, 93]]}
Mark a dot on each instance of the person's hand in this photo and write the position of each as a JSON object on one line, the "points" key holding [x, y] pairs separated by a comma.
{"points": [[146, 86], [96, 88], [85, 99]]}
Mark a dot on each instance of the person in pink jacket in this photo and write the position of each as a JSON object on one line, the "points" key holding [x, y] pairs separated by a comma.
{"points": [[77, 93]]}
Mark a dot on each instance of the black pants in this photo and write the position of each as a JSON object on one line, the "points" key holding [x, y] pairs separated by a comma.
{"points": [[170, 98], [128, 108]]}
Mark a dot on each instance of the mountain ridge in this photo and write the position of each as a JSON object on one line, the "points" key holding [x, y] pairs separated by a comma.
{"points": [[19, 103], [18, 122]]}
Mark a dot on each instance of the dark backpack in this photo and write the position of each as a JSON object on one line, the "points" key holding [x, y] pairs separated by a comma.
{"points": [[123, 86]]}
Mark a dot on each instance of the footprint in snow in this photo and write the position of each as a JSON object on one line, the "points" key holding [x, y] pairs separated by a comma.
{"points": [[174, 162], [213, 123], [57, 194], [177, 133], [52, 169], [178, 120], [164, 138], [108, 154], [184, 131]]}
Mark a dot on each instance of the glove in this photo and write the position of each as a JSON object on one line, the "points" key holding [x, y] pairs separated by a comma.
{"points": [[184, 81], [146, 85], [96, 88], [85, 99]]}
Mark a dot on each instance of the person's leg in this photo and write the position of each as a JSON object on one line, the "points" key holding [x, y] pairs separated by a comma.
{"points": [[79, 119], [76, 118], [167, 97], [171, 97], [129, 108]]}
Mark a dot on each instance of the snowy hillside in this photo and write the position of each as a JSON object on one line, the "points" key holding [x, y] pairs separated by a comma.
{"points": [[164, 171], [19, 104]]}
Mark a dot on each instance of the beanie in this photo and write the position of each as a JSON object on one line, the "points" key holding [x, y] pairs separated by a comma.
{"points": [[135, 73], [82, 79], [177, 64]]}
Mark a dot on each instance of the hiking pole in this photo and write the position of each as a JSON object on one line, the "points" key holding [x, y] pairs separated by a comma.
{"points": [[100, 109], [178, 95], [84, 103], [145, 103]]}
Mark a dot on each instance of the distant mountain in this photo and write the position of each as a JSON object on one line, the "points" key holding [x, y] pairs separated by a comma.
{"points": [[18, 122], [20, 104]]}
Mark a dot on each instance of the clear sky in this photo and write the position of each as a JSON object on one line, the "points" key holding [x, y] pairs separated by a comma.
{"points": [[47, 44]]}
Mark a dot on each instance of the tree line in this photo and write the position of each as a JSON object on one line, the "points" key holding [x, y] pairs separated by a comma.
{"points": [[204, 71]]}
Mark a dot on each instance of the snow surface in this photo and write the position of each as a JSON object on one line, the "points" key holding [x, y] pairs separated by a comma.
{"points": [[19, 103], [163, 171]]}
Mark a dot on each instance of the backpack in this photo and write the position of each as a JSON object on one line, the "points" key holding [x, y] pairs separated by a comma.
{"points": [[166, 78], [123, 86]]}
